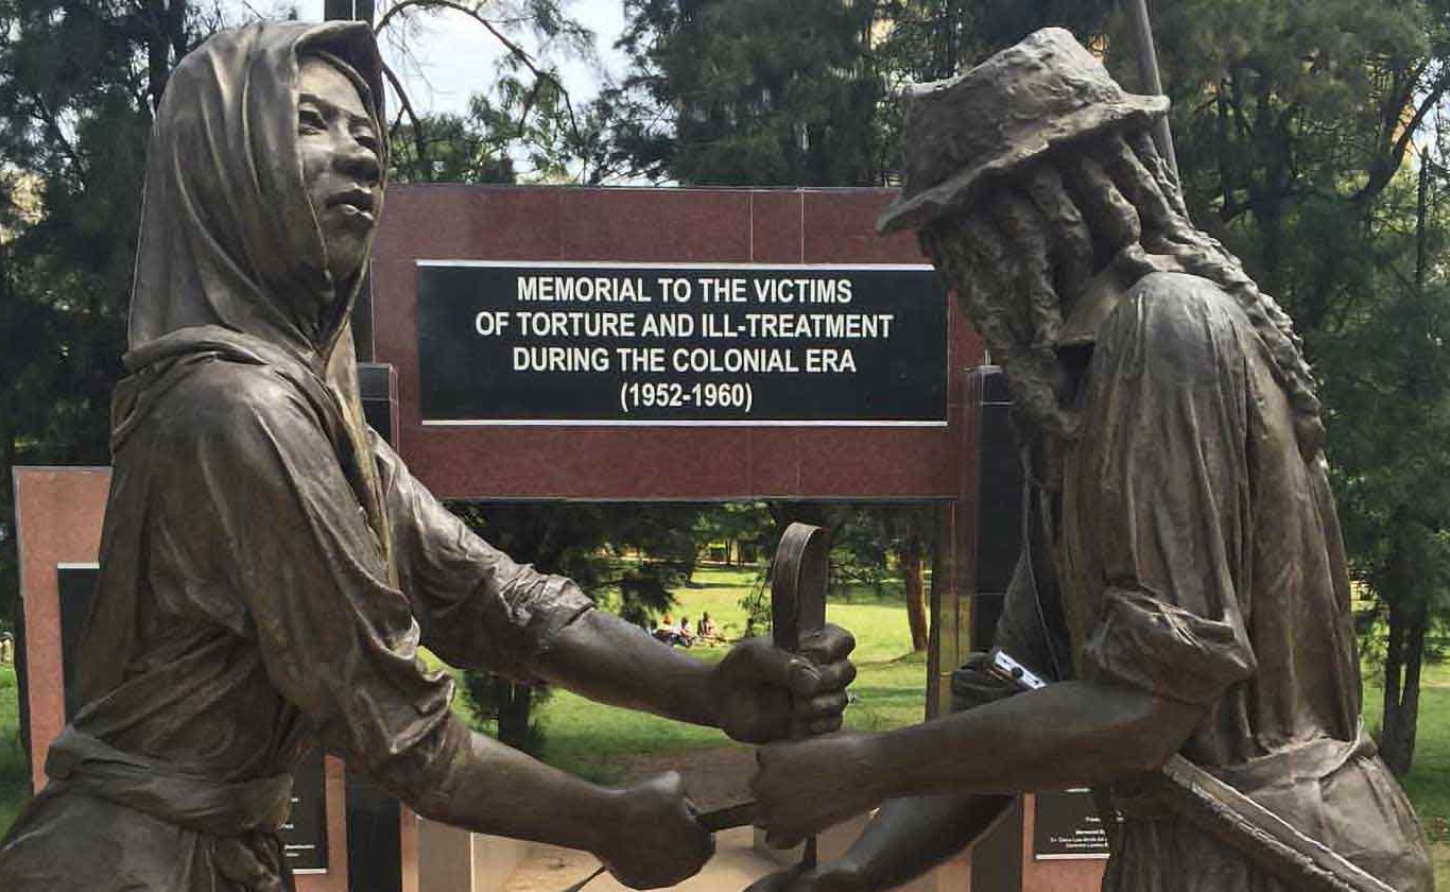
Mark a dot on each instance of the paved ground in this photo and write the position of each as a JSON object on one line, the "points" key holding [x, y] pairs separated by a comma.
{"points": [[715, 778], [552, 869]]}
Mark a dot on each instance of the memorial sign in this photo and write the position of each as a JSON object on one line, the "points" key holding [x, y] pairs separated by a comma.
{"points": [[1066, 825], [304, 836], [729, 344]]}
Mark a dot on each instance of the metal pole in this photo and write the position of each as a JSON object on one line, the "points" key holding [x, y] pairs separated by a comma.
{"points": [[348, 10], [1152, 82]]}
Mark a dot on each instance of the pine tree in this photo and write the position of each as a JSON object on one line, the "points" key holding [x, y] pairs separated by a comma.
{"points": [[749, 93]]}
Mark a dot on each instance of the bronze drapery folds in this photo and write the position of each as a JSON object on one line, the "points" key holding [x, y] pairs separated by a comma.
{"points": [[1184, 583], [269, 568]]}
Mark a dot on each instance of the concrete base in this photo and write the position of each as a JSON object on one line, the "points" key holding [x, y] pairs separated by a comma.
{"points": [[454, 860]]}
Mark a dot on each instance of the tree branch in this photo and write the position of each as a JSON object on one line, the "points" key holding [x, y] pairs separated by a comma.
{"points": [[419, 143], [1385, 168], [52, 129], [514, 49]]}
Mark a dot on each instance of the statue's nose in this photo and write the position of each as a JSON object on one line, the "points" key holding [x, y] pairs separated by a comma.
{"points": [[359, 161]]}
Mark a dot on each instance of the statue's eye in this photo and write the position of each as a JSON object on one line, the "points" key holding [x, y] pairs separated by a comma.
{"points": [[310, 119]]}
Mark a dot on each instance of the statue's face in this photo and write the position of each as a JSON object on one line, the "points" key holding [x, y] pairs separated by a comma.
{"points": [[339, 152]]}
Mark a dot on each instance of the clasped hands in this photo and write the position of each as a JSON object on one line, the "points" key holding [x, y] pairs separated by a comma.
{"points": [[759, 694]]}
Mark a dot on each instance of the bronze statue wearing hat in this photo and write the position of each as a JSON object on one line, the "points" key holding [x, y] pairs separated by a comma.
{"points": [[1183, 588]]}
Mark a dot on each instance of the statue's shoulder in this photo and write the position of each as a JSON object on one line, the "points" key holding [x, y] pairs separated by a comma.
{"points": [[1175, 326], [1180, 288], [1183, 304], [220, 396]]}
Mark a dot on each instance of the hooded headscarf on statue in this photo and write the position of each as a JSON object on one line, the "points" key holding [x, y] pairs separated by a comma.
{"points": [[232, 265], [229, 237], [231, 258]]}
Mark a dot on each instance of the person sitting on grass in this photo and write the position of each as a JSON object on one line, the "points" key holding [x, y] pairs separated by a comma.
{"points": [[708, 632], [664, 631]]}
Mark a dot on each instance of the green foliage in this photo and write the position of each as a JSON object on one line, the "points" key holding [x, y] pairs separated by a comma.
{"points": [[517, 130], [756, 604], [14, 767], [77, 83], [1428, 785], [525, 119], [627, 556], [450, 149], [506, 708], [749, 92], [866, 538]]}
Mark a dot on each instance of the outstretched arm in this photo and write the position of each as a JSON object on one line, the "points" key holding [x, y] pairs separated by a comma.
{"points": [[909, 837], [478, 608], [646, 834], [754, 694], [1073, 734]]}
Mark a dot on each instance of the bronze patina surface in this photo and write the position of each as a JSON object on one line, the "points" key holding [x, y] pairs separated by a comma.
{"points": [[269, 568], [1184, 585]]}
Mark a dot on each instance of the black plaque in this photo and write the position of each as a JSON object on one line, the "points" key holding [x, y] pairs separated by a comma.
{"points": [[1067, 827], [622, 343], [304, 836], [77, 585]]}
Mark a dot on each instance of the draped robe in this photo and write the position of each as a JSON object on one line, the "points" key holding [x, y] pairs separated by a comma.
{"points": [[269, 568], [1185, 548]]}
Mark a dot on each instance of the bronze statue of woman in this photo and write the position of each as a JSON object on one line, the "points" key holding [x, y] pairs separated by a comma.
{"points": [[269, 569]]}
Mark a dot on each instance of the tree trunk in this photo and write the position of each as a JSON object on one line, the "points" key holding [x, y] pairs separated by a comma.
{"points": [[165, 22], [1403, 661], [514, 706], [911, 573]]}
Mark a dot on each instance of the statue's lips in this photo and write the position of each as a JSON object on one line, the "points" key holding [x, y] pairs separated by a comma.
{"points": [[353, 201]]}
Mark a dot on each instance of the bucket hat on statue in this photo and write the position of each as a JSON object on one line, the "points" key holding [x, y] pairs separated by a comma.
{"points": [[963, 133]]}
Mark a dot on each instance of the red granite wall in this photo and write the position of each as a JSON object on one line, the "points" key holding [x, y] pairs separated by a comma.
{"points": [[650, 226], [58, 515]]}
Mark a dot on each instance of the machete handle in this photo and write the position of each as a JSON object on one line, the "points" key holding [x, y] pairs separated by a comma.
{"points": [[798, 579]]}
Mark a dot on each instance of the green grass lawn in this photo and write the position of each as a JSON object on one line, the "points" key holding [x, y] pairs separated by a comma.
{"points": [[14, 773], [1428, 783]]}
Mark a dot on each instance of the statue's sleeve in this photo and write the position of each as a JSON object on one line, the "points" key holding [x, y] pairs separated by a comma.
{"points": [[258, 508], [1161, 494], [477, 607]]}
